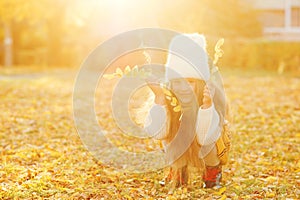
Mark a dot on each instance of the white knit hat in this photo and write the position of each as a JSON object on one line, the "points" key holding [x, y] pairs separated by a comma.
{"points": [[187, 57]]}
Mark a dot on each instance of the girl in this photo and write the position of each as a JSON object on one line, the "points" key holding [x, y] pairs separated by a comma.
{"points": [[191, 114]]}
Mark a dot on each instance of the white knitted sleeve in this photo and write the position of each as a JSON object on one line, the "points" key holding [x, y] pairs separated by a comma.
{"points": [[207, 126], [156, 122]]}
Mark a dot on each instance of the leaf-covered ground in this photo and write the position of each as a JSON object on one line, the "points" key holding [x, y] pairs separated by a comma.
{"points": [[42, 156]]}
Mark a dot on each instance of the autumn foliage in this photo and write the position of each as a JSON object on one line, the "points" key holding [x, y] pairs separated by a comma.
{"points": [[42, 155]]}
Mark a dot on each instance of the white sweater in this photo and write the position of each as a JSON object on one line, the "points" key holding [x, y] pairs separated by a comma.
{"points": [[207, 126]]}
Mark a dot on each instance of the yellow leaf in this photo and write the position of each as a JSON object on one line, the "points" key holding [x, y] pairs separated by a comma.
{"points": [[127, 70], [237, 187], [167, 92], [180, 117], [221, 190], [119, 72], [271, 179], [128, 197], [220, 42], [169, 98], [177, 108], [174, 101], [223, 197], [169, 197], [109, 76], [271, 194], [135, 71], [284, 162], [218, 50]]}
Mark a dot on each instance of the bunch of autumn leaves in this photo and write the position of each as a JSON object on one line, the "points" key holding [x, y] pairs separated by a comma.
{"points": [[137, 72]]}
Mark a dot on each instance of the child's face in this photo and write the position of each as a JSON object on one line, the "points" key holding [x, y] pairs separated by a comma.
{"points": [[184, 89]]}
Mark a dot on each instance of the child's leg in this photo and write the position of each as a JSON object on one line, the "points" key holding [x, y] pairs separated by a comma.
{"points": [[179, 176], [212, 159], [213, 174]]}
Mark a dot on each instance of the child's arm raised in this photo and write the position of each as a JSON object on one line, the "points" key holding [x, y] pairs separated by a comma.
{"points": [[155, 124], [153, 84], [158, 92], [207, 101]]}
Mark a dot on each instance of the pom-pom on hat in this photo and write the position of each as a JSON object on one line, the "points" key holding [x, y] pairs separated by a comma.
{"points": [[187, 57]]}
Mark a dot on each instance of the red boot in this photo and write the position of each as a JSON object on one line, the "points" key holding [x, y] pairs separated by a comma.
{"points": [[212, 176], [180, 177]]}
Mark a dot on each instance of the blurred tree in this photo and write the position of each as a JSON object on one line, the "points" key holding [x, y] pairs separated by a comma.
{"points": [[50, 12], [12, 11], [56, 11], [7, 14], [231, 18], [66, 27]]}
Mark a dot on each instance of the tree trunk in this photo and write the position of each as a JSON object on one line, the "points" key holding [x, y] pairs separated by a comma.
{"points": [[8, 43]]}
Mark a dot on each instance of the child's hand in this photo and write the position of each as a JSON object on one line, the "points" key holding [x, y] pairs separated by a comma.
{"points": [[157, 90], [207, 101]]}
